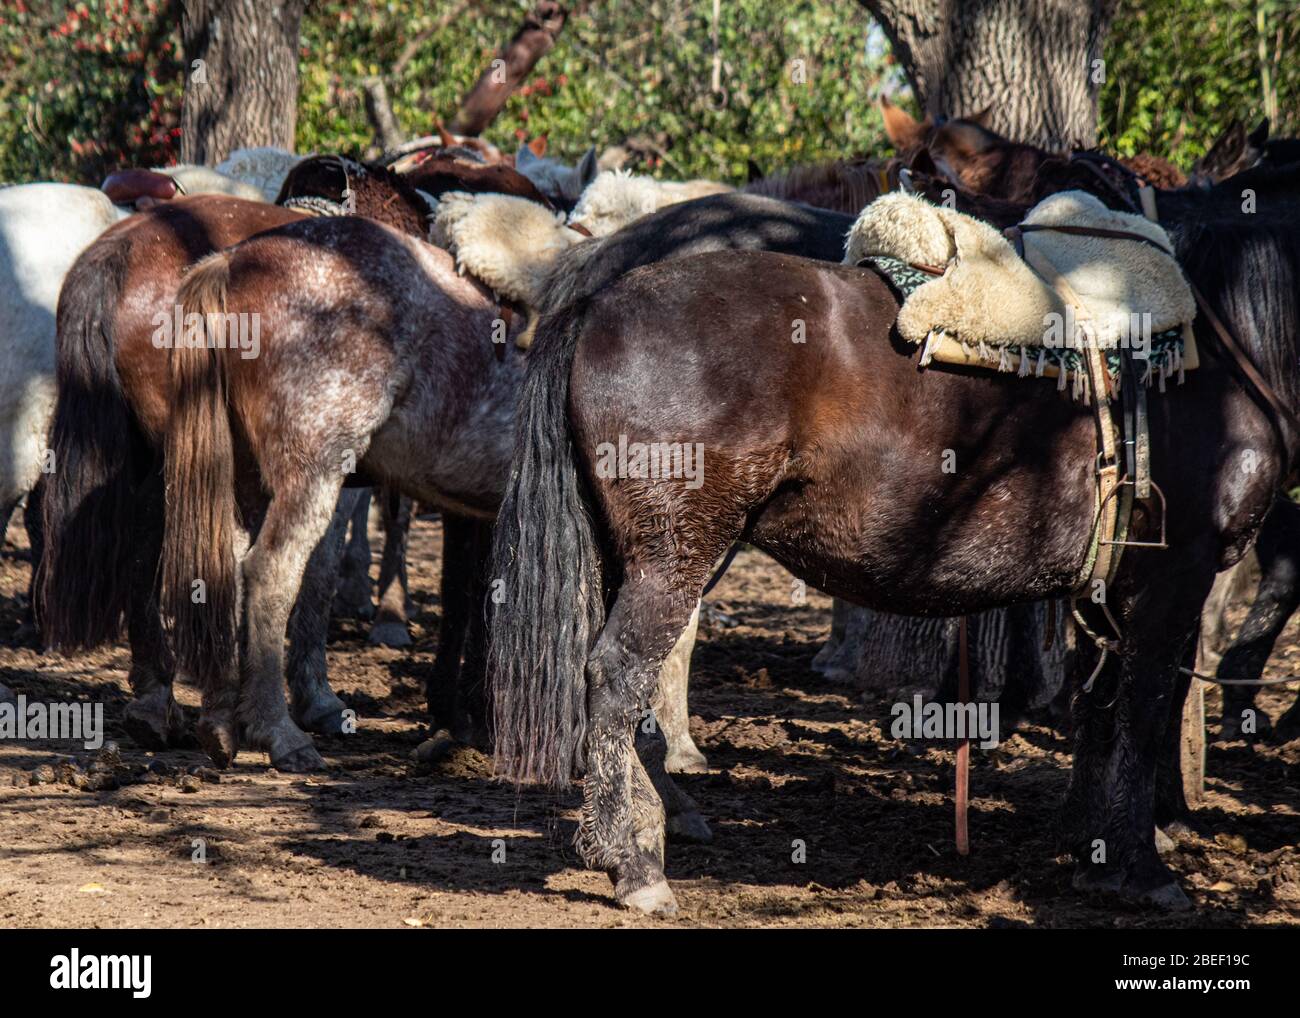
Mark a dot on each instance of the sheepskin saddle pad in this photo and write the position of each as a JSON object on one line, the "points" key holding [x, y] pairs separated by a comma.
{"points": [[970, 298], [506, 242]]}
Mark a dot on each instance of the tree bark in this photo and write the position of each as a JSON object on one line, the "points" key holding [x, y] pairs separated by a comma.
{"points": [[513, 63], [241, 86], [1035, 62]]}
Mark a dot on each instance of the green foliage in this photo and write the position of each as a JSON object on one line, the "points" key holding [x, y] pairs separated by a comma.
{"points": [[87, 86], [1179, 71], [795, 74]]}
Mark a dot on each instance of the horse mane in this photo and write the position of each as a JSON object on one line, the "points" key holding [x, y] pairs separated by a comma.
{"points": [[1247, 264], [843, 185]]}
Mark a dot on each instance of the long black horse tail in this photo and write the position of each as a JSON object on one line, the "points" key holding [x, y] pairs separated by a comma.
{"points": [[83, 586], [547, 567]]}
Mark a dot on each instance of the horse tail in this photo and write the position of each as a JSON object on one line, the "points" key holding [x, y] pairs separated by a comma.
{"points": [[547, 561], [98, 454], [199, 588]]}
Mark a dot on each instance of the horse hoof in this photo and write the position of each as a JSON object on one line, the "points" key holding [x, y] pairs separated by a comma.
{"points": [[685, 760], [656, 899], [147, 729], [1169, 897], [302, 760], [218, 741], [1089, 880], [1164, 843], [437, 747], [690, 828], [325, 721], [390, 634]]}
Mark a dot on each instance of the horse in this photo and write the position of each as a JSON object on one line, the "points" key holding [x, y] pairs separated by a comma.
{"points": [[844, 185], [834, 469], [43, 228], [103, 510]]}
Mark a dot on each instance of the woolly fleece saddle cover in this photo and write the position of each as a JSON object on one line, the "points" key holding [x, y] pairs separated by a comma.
{"points": [[989, 297]]}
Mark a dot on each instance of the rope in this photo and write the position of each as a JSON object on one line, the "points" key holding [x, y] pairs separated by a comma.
{"points": [[1239, 682]]}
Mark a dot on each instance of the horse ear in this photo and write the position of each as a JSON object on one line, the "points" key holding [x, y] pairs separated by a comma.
{"points": [[445, 138], [923, 162], [1258, 138], [983, 117], [1224, 155], [537, 146], [587, 168], [904, 131], [753, 171]]}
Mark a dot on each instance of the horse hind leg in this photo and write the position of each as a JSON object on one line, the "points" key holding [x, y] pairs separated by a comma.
{"points": [[298, 516], [153, 718], [390, 626], [353, 597], [622, 827], [314, 705], [672, 709]]}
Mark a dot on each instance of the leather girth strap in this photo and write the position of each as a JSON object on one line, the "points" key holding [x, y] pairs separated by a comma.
{"points": [[1114, 505]]}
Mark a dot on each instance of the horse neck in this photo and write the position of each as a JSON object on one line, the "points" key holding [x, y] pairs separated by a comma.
{"points": [[1246, 266]]}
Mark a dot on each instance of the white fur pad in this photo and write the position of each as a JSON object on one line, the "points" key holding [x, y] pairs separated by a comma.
{"points": [[617, 197], [989, 295], [508, 243], [1114, 278]]}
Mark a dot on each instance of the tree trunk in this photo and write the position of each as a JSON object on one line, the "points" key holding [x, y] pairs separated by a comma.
{"points": [[508, 70], [1037, 63], [241, 88]]}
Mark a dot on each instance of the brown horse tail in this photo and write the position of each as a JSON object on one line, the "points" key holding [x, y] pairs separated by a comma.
{"points": [[199, 588], [97, 457], [548, 570]]}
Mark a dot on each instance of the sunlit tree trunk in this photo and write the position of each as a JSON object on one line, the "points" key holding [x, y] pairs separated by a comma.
{"points": [[241, 86], [1037, 63]]}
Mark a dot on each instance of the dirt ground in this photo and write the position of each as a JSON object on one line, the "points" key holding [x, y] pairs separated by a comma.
{"points": [[378, 842]]}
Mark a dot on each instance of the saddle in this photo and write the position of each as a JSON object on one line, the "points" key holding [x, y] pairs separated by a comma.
{"points": [[974, 296], [128, 187], [507, 243]]}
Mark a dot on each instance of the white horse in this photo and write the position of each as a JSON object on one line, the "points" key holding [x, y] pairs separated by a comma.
{"points": [[43, 228]]}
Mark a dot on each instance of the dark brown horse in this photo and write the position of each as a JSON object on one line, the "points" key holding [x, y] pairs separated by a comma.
{"points": [[828, 455]]}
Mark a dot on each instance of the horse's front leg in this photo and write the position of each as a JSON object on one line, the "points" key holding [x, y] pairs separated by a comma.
{"points": [[1121, 730]]}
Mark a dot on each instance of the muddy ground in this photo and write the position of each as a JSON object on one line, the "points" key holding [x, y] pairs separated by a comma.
{"points": [[376, 841]]}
